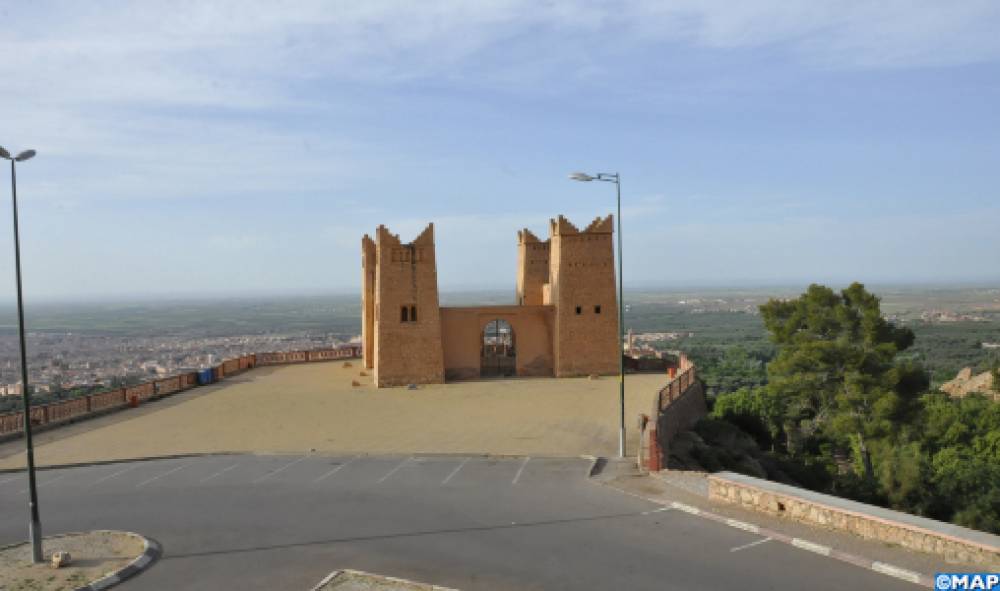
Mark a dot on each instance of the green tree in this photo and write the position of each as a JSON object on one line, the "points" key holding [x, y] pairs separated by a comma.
{"points": [[836, 369]]}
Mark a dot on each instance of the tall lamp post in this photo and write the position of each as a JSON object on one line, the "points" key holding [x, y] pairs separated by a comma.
{"points": [[35, 525], [610, 177]]}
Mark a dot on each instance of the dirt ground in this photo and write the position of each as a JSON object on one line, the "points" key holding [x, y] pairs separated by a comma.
{"points": [[314, 407], [94, 554]]}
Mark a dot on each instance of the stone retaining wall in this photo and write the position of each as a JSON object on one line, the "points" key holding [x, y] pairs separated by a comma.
{"points": [[954, 543]]}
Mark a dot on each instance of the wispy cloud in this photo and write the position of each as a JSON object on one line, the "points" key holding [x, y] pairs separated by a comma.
{"points": [[305, 121], [145, 83]]}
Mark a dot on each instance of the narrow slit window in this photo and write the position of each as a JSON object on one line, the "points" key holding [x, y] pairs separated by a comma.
{"points": [[597, 309], [404, 314], [579, 310], [413, 313]]}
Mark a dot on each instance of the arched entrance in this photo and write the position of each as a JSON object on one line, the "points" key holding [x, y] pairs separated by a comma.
{"points": [[498, 357]]}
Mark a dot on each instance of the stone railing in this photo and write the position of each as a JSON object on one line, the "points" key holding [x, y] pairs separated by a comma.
{"points": [[954, 543], [677, 407], [82, 407]]}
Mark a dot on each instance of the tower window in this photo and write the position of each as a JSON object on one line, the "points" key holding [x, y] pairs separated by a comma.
{"points": [[597, 309], [413, 313], [404, 314], [579, 310]]}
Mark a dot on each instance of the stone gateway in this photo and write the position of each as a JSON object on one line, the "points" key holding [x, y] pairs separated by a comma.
{"points": [[564, 321]]}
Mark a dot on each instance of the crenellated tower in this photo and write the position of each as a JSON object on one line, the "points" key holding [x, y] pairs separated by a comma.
{"points": [[532, 268], [407, 319], [368, 268], [582, 289]]}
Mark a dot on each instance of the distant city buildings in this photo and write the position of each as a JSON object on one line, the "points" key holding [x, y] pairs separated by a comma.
{"points": [[74, 361]]}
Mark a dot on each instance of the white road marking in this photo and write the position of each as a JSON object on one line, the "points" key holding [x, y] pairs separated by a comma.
{"points": [[41, 484], [455, 471], [686, 508], [743, 525], [895, 571], [750, 545], [651, 511], [159, 476], [335, 470], [219, 473], [273, 472], [110, 476], [520, 470], [811, 546], [393, 471]]}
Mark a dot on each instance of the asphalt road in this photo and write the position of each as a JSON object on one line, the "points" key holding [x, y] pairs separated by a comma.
{"points": [[283, 522]]}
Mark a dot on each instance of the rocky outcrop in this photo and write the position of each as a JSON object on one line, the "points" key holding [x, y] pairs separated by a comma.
{"points": [[965, 383]]}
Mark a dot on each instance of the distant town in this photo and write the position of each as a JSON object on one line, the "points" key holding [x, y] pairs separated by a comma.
{"points": [[74, 361], [79, 348]]}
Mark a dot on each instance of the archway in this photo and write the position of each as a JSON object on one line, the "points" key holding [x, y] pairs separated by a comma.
{"points": [[498, 356]]}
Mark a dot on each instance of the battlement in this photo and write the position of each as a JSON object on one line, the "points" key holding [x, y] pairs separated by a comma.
{"points": [[383, 237], [426, 238], [560, 226], [387, 238], [601, 225], [526, 236]]}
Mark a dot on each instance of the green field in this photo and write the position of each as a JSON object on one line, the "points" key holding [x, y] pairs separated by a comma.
{"points": [[720, 320]]}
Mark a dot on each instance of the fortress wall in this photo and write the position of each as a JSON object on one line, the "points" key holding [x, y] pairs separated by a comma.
{"points": [[462, 334]]}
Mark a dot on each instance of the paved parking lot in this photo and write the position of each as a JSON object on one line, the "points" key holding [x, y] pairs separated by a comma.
{"points": [[470, 522]]}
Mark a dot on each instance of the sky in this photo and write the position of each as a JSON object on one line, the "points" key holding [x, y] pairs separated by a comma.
{"points": [[199, 148]]}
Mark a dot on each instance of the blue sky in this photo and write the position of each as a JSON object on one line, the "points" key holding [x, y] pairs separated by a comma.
{"points": [[243, 148]]}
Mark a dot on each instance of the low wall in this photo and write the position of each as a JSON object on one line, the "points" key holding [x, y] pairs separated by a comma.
{"points": [[678, 406], [74, 409], [955, 543]]}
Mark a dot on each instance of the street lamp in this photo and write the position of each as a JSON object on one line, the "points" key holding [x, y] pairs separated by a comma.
{"points": [[609, 177], [35, 525]]}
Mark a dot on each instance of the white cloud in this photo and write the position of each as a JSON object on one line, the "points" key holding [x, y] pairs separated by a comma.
{"points": [[144, 84]]}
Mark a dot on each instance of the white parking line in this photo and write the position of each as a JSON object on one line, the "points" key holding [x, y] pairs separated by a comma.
{"points": [[159, 476], [273, 472], [520, 470], [393, 471], [335, 470], [12, 478], [112, 475], [454, 472], [750, 545], [47, 482], [219, 473]]}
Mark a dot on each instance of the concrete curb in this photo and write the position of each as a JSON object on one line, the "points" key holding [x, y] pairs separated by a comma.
{"points": [[151, 552], [348, 571], [800, 543]]}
